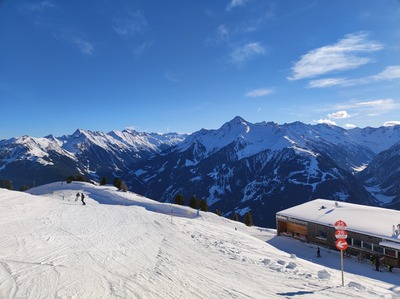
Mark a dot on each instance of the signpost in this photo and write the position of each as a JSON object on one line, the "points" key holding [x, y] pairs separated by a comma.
{"points": [[341, 244], [341, 234]]}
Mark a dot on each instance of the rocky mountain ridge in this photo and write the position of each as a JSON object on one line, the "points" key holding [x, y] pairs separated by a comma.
{"points": [[262, 167]]}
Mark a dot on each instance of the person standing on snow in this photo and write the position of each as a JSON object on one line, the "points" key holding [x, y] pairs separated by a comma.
{"points": [[77, 196], [83, 199], [377, 264], [318, 252]]}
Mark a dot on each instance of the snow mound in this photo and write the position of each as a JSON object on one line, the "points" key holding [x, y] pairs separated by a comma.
{"points": [[291, 265], [356, 285], [324, 274]]}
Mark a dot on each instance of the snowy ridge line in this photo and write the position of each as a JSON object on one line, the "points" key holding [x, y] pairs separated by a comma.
{"points": [[110, 196]]}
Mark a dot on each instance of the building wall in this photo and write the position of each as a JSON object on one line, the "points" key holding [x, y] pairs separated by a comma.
{"points": [[292, 227], [368, 247], [322, 235]]}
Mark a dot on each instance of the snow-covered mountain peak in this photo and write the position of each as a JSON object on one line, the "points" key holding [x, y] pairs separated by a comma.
{"points": [[79, 133], [254, 137], [377, 139]]}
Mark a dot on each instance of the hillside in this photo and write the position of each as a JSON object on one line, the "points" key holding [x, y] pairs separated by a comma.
{"points": [[122, 245]]}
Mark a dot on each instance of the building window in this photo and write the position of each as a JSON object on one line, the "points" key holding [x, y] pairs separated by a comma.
{"points": [[356, 243], [367, 245], [322, 235], [390, 252], [378, 249]]}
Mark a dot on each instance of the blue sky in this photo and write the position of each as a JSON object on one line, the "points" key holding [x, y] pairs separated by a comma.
{"points": [[179, 66]]}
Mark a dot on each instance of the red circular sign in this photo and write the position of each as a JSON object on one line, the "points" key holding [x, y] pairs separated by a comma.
{"points": [[341, 244], [341, 234], [340, 224]]}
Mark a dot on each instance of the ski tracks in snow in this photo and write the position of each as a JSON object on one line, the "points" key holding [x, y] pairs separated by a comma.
{"points": [[54, 248]]}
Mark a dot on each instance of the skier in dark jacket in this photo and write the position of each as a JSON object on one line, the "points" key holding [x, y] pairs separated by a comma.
{"points": [[83, 199]]}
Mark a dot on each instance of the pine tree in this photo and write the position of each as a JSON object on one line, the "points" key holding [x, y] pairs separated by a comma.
{"points": [[70, 179], [81, 178], [248, 220], [117, 183], [193, 203], [123, 187], [179, 199], [218, 212], [24, 188], [103, 181], [6, 184], [203, 205], [236, 217]]}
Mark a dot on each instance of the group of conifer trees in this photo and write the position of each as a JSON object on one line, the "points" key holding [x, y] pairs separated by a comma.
{"points": [[203, 206]]}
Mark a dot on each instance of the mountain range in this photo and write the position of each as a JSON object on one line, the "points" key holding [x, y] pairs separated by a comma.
{"points": [[262, 167]]}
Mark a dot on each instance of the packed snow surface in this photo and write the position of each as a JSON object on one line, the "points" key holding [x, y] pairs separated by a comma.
{"points": [[122, 245]]}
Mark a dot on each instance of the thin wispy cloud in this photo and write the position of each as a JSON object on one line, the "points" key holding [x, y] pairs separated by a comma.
{"points": [[389, 73], [357, 110], [342, 56], [39, 13], [171, 77], [260, 92], [370, 108], [235, 3], [39, 7], [222, 33], [387, 103], [140, 48], [329, 82], [75, 39], [84, 46], [242, 54], [130, 24]]}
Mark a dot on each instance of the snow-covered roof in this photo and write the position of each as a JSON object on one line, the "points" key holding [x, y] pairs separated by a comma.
{"points": [[367, 220]]}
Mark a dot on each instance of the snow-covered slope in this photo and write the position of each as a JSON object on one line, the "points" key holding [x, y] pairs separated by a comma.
{"points": [[377, 139], [382, 176], [121, 245]]}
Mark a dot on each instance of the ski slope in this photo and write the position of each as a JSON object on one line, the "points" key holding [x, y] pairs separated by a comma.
{"points": [[122, 245]]}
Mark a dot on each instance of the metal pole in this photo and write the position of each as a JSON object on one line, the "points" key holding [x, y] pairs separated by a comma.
{"points": [[341, 260]]}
